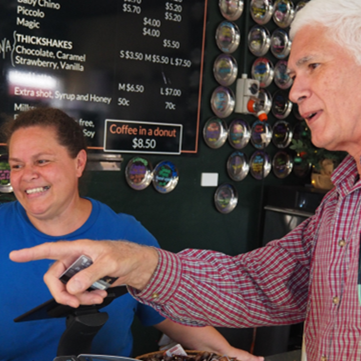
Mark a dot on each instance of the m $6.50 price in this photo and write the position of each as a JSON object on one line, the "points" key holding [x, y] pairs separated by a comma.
{"points": [[139, 143]]}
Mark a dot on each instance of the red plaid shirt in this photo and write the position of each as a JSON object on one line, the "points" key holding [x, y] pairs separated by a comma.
{"points": [[310, 274]]}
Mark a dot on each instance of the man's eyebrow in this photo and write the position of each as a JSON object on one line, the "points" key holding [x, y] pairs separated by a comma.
{"points": [[303, 60], [299, 63]]}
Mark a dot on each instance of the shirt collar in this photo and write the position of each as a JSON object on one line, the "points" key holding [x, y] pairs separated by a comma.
{"points": [[346, 173]]}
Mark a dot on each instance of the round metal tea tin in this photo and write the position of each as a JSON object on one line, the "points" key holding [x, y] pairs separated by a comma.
{"points": [[215, 132], [138, 173], [231, 9], [261, 11], [282, 78], [222, 102], [284, 13], [228, 36], [225, 198], [263, 71], [261, 134], [265, 98], [237, 166], [225, 69], [259, 40], [239, 133], [280, 44], [281, 105], [281, 134], [282, 164], [260, 164], [165, 177]]}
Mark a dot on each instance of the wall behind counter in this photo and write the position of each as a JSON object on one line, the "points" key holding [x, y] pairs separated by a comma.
{"points": [[187, 217]]}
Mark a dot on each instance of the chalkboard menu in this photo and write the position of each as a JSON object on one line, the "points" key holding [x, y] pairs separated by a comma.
{"points": [[129, 71]]}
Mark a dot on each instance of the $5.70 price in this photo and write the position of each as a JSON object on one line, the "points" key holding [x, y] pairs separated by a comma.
{"points": [[139, 143]]}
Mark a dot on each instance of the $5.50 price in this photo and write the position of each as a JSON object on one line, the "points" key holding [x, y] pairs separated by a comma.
{"points": [[139, 143]]}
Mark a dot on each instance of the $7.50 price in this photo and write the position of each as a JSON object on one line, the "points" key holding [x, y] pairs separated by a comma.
{"points": [[139, 143]]}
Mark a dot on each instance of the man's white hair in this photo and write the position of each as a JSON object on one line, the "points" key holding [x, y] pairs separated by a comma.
{"points": [[342, 19]]}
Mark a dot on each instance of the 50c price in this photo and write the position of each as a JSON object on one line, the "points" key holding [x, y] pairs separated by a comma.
{"points": [[139, 143], [123, 102]]}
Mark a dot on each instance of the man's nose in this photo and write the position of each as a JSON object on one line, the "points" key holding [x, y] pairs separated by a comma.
{"points": [[299, 91]]}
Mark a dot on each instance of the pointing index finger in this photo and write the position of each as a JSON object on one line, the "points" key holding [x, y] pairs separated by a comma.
{"points": [[55, 251]]}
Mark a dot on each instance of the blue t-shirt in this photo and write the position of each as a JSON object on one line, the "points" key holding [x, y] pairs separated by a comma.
{"points": [[23, 288]]}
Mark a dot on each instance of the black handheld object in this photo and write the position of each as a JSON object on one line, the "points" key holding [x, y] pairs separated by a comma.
{"points": [[81, 263], [52, 309], [82, 323]]}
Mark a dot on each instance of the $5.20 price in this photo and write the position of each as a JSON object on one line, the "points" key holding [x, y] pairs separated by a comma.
{"points": [[139, 143]]}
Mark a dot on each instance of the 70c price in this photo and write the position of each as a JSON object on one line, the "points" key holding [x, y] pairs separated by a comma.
{"points": [[140, 143], [170, 106]]}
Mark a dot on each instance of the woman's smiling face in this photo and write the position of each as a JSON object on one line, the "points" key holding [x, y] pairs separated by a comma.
{"points": [[43, 175]]}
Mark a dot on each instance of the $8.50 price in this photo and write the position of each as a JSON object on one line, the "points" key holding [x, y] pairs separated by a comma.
{"points": [[139, 143]]}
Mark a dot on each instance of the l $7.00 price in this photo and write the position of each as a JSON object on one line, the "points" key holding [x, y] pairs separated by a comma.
{"points": [[139, 143]]}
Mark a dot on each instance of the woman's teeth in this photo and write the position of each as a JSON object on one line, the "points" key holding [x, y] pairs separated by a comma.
{"points": [[37, 190]]}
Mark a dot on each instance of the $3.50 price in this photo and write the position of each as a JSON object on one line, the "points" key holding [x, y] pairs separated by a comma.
{"points": [[139, 143]]}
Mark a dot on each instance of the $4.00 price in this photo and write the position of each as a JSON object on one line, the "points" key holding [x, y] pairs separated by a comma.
{"points": [[139, 143]]}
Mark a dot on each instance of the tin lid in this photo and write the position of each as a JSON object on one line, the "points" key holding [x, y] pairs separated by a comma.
{"points": [[282, 164], [263, 71], [280, 44], [225, 69], [282, 134], [165, 177], [215, 132], [237, 166], [222, 101], [284, 13], [260, 164], [282, 78], [239, 133], [138, 173], [225, 198], [265, 102], [281, 105], [228, 36], [261, 11], [259, 40], [261, 134], [231, 9]]}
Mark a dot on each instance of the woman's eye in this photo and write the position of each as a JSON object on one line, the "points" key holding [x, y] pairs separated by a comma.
{"points": [[43, 161]]}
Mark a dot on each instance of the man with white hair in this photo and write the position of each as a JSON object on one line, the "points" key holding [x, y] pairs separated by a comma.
{"points": [[313, 273]]}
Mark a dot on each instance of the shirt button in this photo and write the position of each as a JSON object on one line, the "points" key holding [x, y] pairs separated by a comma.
{"points": [[155, 295], [323, 358], [335, 300], [342, 243]]}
